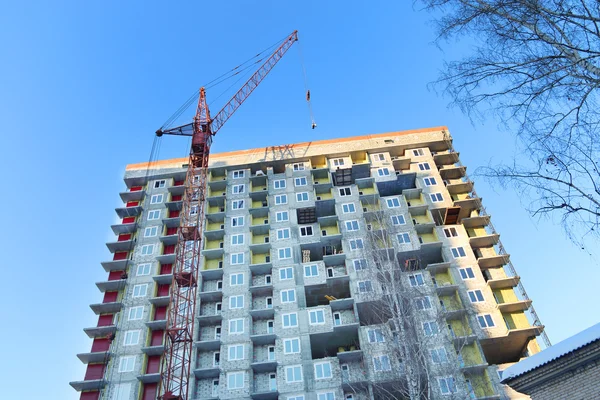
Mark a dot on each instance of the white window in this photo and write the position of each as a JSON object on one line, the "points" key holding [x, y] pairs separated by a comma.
{"points": [[131, 338], [237, 205], [279, 184], [348, 208], [418, 152], [291, 346], [238, 174], [356, 244], [352, 225], [136, 313], [311, 270], [154, 214], [126, 363], [237, 189], [431, 328], [466, 273], [338, 162], [317, 317], [375, 335], [424, 166], [423, 303], [398, 220], [306, 231], [300, 181], [293, 373], [378, 157], [439, 355], [323, 370], [458, 252], [288, 296], [326, 396], [236, 326], [282, 216], [237, 221], [450, 232], [156, 199], [143, 269], [237, 239], [236, 302], [436, 197], [140, 290], [283, 233], [485, 321], [383, 172], [365, 286], [235, 352], [236, 279], [159, 184], [281, 199], [430, 181], [302, 196], [299, 397], [298, 167], [359, 264], [476, 296], [151, 231], [403, 238], [237, 258], [447, 385], [289, 320], [416, 280], [286, 273], [345, 191], [382, 363], [394, 202], [235, 380], [122, 391], [285, 253]]}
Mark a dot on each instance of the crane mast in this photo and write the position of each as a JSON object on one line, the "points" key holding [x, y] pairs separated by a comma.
{"points": [[177, 360]]}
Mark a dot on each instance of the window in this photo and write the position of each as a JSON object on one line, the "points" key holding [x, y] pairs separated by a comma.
{"points": [[236, 279], [476, 296], [439, 355], [352, 225], [423, 303], [418, 152], [126, 363], [285, 253], [194, 209], [154, 214], [485, 321], [237, 205], [382, 363], [447, 385], [140, 290], [356, 244], [403, 238], [237, 239], [122, 391], [338, 162], [238, 174], [283, 233], [237, 258], [359, 264], [236, 326], [151, 231], [136, 313], [348, 208], [288, 296], [236, 302], [436, 197], [383, 172], [237, 189], [458, 252], [431, 328], [375, 335], [306, 231], [286, 273], [317, 317], [293, 373], [378, 157], [337, 318], [398, 220], [279, 184], [282, 216], [302, 196], [301, 181], [430, 181], [235, 352], [131, 338], [218, 307], [424, 166], [466, 273], [323, 370], [416, 280], [394, 202], [450, 232], [365, 286], [235, 380], [300, 397], [160, 184], [143, 269], [345, 191], [289, 320], [298, 167], [156, 199], [326, 396], [291, 346], [237, 221], [311, 270], [281, 199]]}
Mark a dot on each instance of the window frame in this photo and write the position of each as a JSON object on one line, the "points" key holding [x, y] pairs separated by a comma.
{"points": [[237, 236], [476, 294], [483, 317], [436, 197], [240, 174], [239, 221], [384, 171], [280, 214], [284, 253], [156, 198], [375, 334], [138, 288], [284, 274], [277, 184], [430, 181], [143, 265], [236, 373], [153, 215], [468, 272], [354, 244], [287, 296], [379, 359], [237, 276], [240, 188], [294, 368], [352, 225], [127, 360], [236, 299], [322, 364], [236, 257], [403, 238], [362, 262], [289, 315], [302, 197], [310, 268], [424, 166], [283, 236], [280, 199], [291, 342], [346, 208], [300, 181], [235, 322], [131, 334], [393, 202], [238, 204], [316, 313], [457, 250], [345, 191], [236, 347], [366, 284], [137, 311], [306, 228], [397, 218]]}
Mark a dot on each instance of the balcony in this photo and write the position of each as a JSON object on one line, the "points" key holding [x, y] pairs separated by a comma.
{"points": [[415, 201], [216, 194], [207, 372], [160, 300], [163, 279], [367, 191], [444, 284], [153, 377], [475, 221], [96, 357], [111, 285], [514, 306], [323, 193], [484, 240], [451, 307], [260, 243], [92, 384], [493, 261], [322, 179], [132, 209], [135, 193], [208, 345], [129, 227], [503, 283], [439, 267], [157, 350], [259, 225], [262, 338], [178, 187], [217, 184], [213, 318], [262, 312], [100, 331], [170, 239], [212, 268], [422, 220], [124, 244], [264, 365], [213, 249], [157, 325], [171, 222], [168, 258], [401, 163], [174, 205], [211, 295], [509, 348], [467, 203], [452, 172], [458, 186], [445, 158], [106, 308], [216, 208], [260, 263], [259, 208]]}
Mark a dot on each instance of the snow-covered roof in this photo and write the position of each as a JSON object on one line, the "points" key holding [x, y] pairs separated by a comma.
{"points": [[567, 346]]}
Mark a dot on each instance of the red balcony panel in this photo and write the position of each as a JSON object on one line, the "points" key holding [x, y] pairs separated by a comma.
{"points": [[172, 231], [132, 203], [110, 297], [157, 338], [163, 290], [116, 275], [176, 197], [135, 188], [100, 344], [149, 392], [105, 320], [169, 249], [94, 371], [128, 220], [153, 365], [120, 255], [123, 237], [160, 313], [178, 183], [166, 269], [95, 395], [174, 213]]}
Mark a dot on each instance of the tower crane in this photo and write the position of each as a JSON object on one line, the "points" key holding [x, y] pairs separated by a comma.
{"points": [[177, 360]]}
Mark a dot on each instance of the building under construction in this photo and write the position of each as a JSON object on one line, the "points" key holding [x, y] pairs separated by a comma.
{"points": [[303, 249]]}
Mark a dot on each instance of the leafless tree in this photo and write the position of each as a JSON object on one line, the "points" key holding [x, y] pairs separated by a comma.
{"points": [[534, 66]]}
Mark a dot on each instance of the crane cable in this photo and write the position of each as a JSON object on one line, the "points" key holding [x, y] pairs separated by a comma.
{"points": [[313, 124]]}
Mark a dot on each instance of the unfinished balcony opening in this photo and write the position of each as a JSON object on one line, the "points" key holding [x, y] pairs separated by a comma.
{"points": [[396, 187], [333, 293], [343, 345], [306, 215]]}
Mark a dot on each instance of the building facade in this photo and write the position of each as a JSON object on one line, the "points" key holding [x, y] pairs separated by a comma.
{"points": [[330, 270]]}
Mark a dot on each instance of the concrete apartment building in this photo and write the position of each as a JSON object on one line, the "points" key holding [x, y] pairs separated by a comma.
{"points": [[289, 289]]}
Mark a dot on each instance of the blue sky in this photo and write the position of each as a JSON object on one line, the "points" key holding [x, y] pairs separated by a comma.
{"points": [[84, 85]]}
